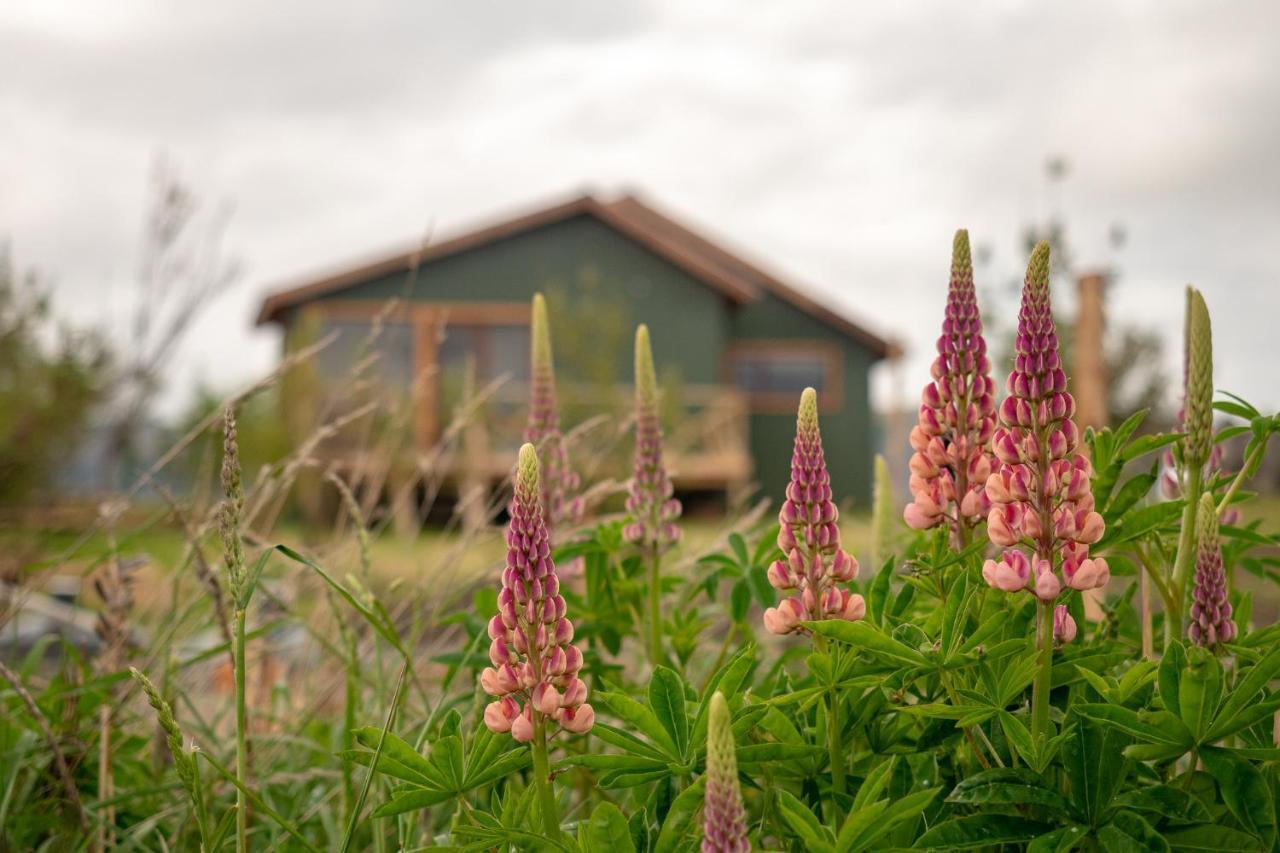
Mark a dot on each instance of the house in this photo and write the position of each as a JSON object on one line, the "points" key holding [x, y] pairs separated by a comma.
{"points": [[735, 343]]}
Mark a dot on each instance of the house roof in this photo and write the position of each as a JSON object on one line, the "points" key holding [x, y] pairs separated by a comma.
{"points": [[738, 280]]}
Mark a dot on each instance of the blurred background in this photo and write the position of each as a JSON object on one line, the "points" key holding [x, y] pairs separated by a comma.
{"points": [[191, 192]]}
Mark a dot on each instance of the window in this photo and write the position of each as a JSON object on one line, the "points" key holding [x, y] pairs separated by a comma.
{"points": [[393, 349], [498, 349], [772, 374]]}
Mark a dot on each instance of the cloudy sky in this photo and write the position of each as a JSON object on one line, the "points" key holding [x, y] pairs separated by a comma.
{"points": [[839, 143]]}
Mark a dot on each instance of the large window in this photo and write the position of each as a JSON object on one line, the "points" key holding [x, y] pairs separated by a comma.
{"points": [[391, 348], [772, 374]]}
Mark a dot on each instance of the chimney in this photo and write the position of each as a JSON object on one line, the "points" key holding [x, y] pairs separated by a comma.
{"points": [[1089, 371]]}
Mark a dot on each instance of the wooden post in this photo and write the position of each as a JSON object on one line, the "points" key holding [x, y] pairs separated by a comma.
{"points": [[1089, 369]]}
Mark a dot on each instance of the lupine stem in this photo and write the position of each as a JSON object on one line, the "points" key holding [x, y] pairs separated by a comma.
{"points": [[242, 738], [1186, 557], [835, 731], [655, 607], [542, 780], [1044, 675]]}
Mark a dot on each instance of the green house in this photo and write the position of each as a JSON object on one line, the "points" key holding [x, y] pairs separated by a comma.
{"points": [[734, 344]]}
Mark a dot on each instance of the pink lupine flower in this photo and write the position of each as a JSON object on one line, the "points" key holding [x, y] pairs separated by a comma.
{"points": [[724, 820], [559, 482], [535, 665], [1211, 622], [1040, 495], [814, 563], [1064, 627], [651, 509], [951, 463]]}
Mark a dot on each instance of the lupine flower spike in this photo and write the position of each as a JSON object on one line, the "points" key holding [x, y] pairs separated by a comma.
{"points": [[559, 482], [651, 509], [951, 463], [535, 664], [724, 820], [1211, 622], [814, 563], [1041, 497]]}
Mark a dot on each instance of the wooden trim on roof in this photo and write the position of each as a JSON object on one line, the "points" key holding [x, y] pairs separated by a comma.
{"points": [[736, 279]]}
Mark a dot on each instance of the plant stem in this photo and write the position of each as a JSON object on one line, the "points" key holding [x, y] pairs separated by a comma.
{"points": [[1044, 676], [835, 741], [542, 779], [1185, 558], [242, 738], [655, 607], [1239, 478]]}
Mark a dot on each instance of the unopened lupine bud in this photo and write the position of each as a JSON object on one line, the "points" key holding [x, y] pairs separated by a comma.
{"points": [[724, 820], [1211, 622], [652, 510], [884, 518], [559, 482], [1064, 627], [534, 665], [957, 415], [1198, 436], [1043, 497], [809, 538]]}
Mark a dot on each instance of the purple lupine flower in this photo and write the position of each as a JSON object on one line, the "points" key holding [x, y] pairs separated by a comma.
{"points": [[651, 509], [1064, 627], [559, 481], [813, 562], [535, 664], [724, 820], [1040, 494], [952, 462], [1211, 622]]}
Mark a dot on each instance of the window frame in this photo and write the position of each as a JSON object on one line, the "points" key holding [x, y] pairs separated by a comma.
{"points": [[830, 355]]}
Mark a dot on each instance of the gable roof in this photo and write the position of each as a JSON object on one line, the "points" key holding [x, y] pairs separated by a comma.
{"points": [[738, 280]]}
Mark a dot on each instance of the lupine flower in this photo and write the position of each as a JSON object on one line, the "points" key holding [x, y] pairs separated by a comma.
{"points": [[1195, 418], [1040, 494], [1064, 627], [724, 820], [1211, 621], [535, 664], [951, 463], [651, 509], [814, 563], [559, 482]]}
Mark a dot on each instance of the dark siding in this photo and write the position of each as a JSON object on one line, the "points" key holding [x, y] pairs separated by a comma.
{"points": [[847, 437]]}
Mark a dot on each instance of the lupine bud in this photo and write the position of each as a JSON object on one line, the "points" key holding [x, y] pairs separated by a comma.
{"points": [[1042, 498], [1064, 627], [1211, 622], [1198, 438], [951, 463], [651, 509], [533, 667], [884, 519], [809, 538], [559, 482], [724, 820]]}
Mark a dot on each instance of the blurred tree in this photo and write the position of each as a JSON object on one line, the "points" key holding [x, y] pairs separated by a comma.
{"points": [[50, 377], [184, 266]]}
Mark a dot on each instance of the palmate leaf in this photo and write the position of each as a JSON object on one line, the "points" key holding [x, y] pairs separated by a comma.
{"points": [[667, 700], [605, 832], [1007, 786], [678, 826], [1211, 838], [1129, 833], [1242, 696], [1165, 801], [866, 826], [1244, 790], [866, 637], [805, 824], [638, 717], [980, 831]]}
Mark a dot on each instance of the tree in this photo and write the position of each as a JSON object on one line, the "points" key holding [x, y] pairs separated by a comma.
{"points": [[50, 377]]}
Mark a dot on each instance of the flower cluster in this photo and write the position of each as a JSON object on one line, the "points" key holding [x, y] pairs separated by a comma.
{"points": [[814, 563], [724, 820], [651, 509], [535, 665], [1211, 621], [1041, 490], [951, 463], [559, 481]]}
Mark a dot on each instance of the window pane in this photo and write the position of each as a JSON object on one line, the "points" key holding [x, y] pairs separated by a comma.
{"points": [[781, 371], [393, 348]]}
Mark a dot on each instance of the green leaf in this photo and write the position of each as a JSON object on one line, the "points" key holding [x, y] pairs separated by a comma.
{"points": [[1244, 790], [868, 825], [865, 637], [676, 828], [1020, 738], [980, 830], [1007, 786], [1155, 728], [666, 698], [756, 753], [739, 546], [639, 717], [1213, 838], [412, 801], [607, 831], [399, 758], [805, 824], [739, 601], [1172, 804], [1094, 765], [1199, 690], [1063, 839], [873, 786], [1255, 679]]}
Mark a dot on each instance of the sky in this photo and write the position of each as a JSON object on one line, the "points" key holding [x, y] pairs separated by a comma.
{"points": [[839, 144]]}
